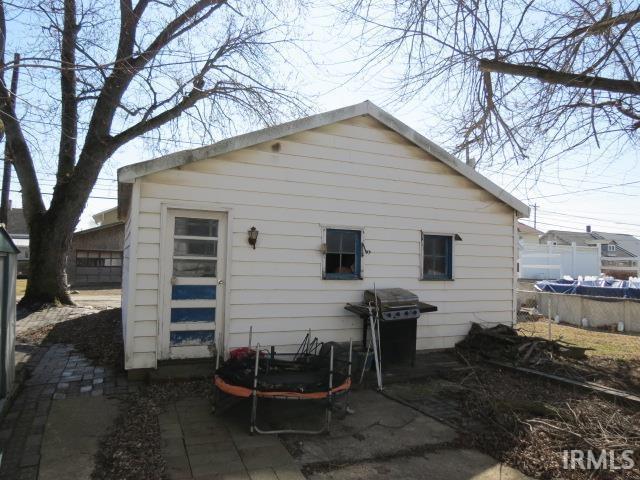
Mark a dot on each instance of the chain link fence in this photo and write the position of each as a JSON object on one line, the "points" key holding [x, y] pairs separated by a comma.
{"points": [[615, 314]]}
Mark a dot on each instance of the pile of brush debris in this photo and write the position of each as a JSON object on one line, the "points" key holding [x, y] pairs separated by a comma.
{"points": [[503, 344]]}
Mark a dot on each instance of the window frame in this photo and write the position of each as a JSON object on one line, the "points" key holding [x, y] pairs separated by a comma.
{"points": [[611, 247], [358, 254], [450, 260]]}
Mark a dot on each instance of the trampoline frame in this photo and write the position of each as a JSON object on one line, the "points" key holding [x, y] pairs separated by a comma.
{"points": [[328, 396]]}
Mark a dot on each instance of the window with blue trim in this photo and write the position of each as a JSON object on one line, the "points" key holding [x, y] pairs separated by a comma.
{"points": [[437, 257], [343, 254]]}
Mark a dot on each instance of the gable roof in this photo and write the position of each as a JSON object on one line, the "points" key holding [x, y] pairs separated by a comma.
{"points": [[627, 243], [6, 242], [129, 173], [524, 228]]}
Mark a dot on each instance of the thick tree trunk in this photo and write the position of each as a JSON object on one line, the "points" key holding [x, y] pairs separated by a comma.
{"points": [[49, 242], [51, 231]]}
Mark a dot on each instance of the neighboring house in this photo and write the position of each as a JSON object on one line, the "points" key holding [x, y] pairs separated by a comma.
{"points": [[8, 270], [95, 257], [19, 231], [619, 253], [334, 204], [529, 235], [106, 217]]}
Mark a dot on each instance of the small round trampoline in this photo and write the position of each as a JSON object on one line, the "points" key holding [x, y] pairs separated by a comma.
{"points": [[316, 371]]}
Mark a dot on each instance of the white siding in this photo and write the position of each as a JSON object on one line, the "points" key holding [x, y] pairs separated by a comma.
{"points": [[126, 284], [354, 173]]}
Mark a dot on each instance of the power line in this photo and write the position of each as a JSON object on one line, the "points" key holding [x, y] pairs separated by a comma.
{"points": [[592, 190], [574, 228], [603, 220], [90, 196], [542, 179]]}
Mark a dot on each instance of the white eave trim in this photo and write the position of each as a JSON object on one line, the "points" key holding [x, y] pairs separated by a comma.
{"points": [[129, 173]]}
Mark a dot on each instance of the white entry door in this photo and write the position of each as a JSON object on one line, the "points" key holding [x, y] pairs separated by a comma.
{"points": [[194, 266]]}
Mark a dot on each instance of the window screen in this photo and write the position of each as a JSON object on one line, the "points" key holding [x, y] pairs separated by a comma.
{"points": [[343, 254], [437, 257]]}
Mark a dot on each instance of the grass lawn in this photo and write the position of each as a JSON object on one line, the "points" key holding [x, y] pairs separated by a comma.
{"points": [[21, 286], [625, 346]]}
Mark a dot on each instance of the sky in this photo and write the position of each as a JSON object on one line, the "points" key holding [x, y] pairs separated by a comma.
{"points": [[593, 186]]}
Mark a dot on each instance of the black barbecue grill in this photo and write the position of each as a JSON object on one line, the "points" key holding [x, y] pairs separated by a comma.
{"points": [[399, 310]]}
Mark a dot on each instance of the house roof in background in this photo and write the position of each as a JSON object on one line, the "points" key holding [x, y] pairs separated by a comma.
{"points": [[16, 223], [99, 217], [98, 228], [524, 228], [129, 173], [628, 243]]}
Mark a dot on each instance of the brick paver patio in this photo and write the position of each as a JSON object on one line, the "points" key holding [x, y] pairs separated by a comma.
{"points": [[53, 372], [196, 445]]}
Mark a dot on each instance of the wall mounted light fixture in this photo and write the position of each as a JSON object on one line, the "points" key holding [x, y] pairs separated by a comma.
{"points": [[253, 236]]}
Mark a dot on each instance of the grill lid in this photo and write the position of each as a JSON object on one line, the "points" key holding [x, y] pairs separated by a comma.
{"points": [[392, 297]]}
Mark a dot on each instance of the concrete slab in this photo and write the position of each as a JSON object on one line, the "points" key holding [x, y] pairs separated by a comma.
{"points": [[72, 434], [288, 473], [256, 458], [379, 427], [455, 464], [219, 447]]}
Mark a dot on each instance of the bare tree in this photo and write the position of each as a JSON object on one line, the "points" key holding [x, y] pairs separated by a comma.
{"points": [[99, 74], [530, 78]]}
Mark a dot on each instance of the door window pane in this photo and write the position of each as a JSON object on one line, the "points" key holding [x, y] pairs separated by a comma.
{"points": [[196, 227], [194, 268], [200, 248]]}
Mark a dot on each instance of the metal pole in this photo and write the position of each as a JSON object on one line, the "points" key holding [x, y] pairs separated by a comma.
{"points": [[374, 341], [6, 176], [329, 397], [375, 294], [348, 407], [250, 335], [254, 401], [549, 317]]}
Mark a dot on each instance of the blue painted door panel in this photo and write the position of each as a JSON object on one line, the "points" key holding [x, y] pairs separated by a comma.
{"points": [[193, 292], [192, 338], [196, 314]]}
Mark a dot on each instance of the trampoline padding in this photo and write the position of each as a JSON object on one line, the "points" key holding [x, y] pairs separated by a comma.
{"points": [[244, 392]]}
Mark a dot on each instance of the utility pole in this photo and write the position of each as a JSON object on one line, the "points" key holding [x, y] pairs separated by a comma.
{"points": [[535, 215], [6, 176]]}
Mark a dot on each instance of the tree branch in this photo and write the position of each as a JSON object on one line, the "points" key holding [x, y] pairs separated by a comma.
{"points": [[602, 26], [561, 78], [69, 112], [152, 123], [16, 143]]}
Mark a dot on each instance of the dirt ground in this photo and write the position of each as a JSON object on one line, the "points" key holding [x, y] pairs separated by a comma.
{"points": [[87, 296], [620, 346], [507, 418], [613, 359]]}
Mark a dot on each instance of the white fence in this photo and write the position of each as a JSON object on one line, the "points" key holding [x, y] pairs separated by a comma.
{"points": [[585, 310], [548, 262]]}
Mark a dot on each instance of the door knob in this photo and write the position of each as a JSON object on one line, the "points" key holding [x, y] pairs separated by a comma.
{"points": [[221, 283]]}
